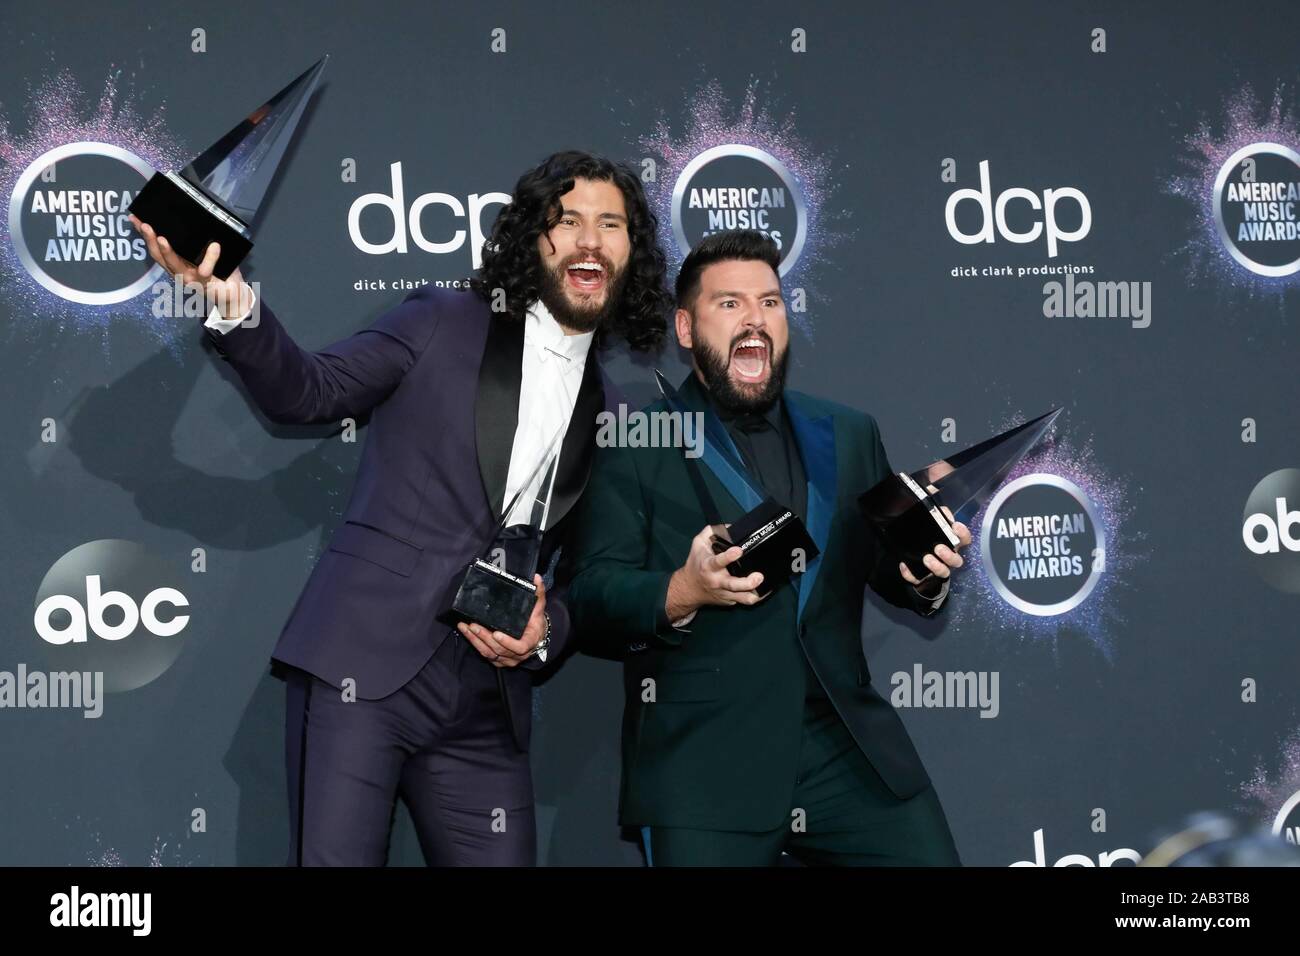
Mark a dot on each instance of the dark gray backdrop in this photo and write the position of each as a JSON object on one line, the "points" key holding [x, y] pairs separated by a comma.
{"points": [[161, 447]]}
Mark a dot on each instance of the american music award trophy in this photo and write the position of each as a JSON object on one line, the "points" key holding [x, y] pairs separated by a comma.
{"points": [[216, 197], [770, 535], [497, 590], [908, 517]]}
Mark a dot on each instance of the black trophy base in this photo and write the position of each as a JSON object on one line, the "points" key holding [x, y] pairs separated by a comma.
{"points": [[908, 521], [191, 219], [494, 599], [775, 543]]}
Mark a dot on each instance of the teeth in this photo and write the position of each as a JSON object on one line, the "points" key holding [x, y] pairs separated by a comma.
{"points": [[590, 266], [752, 343]]}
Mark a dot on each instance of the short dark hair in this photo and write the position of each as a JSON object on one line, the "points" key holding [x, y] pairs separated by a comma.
{"points": [[511, 261], [731, 246]]}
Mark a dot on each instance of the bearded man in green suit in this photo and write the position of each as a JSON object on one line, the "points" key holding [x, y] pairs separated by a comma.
{"points": [[751, 727]]}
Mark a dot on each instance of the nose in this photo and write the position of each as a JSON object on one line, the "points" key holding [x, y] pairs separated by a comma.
{"points": [[589, 237]]}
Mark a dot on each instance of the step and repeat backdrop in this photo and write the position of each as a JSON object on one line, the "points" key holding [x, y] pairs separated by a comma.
{"points": [[985, 211]]}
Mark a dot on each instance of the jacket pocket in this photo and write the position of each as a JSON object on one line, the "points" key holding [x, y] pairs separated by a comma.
{"points": [[375, 546], [687, 686]]}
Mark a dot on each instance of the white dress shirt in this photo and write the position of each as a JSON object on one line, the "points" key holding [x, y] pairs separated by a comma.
{"points": [[553, 366]]}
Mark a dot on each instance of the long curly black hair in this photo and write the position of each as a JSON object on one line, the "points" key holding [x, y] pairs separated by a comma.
{"points": [[511, 260]]}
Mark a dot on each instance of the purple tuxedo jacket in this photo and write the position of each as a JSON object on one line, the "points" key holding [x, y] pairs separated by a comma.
{"points": [[440, 376]]}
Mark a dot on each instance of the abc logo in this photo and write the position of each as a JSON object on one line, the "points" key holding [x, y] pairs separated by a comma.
{"points": [[1276, 531], [994, 213], [111, 606], [1270, 529], [92, 613]]}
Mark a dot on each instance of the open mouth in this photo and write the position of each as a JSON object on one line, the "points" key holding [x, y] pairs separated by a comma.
{"points": [[750, 359], [586, 275]]}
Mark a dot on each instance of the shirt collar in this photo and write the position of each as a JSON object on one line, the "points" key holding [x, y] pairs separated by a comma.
{"points": [[543, 333], [772, 414]]}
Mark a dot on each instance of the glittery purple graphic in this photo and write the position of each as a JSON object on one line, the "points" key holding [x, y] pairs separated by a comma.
{"points": [[58, 114], [1265, 793], [164, 852], [711, 121], [1245, 122], [983, 610]]}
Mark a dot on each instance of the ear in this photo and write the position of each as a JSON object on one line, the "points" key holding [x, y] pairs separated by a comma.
{"points": [[683, 321]]}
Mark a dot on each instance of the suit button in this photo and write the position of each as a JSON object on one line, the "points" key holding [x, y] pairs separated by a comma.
{"points": [[639, 646]]}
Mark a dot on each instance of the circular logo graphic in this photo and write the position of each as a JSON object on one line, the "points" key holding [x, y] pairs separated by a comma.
{"points": [[739, 187], [1043, 548], [1270, 529], [68, 223], [110, 606], [1287, 824], [1257, 208]]}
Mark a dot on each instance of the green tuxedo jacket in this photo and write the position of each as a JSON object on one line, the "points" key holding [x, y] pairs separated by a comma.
{"points": [[714, 714]]}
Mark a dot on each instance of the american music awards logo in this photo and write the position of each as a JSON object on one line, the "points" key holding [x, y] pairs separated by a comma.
{"points": [[1242, 176], [1287, 823], [741, 168], [740, 187], [1042, 547], [1051, 550], [67, 182], [1273, 795]]}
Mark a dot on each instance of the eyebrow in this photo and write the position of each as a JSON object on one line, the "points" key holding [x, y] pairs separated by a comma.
{"points": [[770, 293], [604, 215]]}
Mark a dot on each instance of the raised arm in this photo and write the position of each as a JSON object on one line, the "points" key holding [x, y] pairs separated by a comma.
{"points": [[290, 384]]}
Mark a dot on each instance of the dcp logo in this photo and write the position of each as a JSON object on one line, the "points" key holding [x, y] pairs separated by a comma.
{"points": [[1041, 215], [1270, 529], [110, 606]]}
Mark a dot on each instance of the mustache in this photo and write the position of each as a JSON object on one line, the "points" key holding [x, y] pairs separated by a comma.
{"points": [[588, 257]]}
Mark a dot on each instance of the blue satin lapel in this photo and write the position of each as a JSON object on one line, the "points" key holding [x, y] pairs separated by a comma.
{"points": [[722, 457], [816, 438]]}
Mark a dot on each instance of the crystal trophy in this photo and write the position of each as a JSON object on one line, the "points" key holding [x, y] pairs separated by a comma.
{"points": [[497, 591], [770, 535], [216, 197], [909, 518]]}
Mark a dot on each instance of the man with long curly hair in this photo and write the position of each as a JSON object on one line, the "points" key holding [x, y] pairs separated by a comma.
{"points": [[470, 395]]}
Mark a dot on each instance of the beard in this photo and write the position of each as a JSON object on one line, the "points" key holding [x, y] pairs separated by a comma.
{"points": [[735, 398], [581, 317]]}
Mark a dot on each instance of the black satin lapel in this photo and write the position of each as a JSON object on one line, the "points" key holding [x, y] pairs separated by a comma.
{"points": [[496, 407], [579, 442]]}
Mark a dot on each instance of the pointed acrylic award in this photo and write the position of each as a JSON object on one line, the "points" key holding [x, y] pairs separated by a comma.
{"points": [[216, 197], [497, 590], [908, 517], [769, 536]]}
